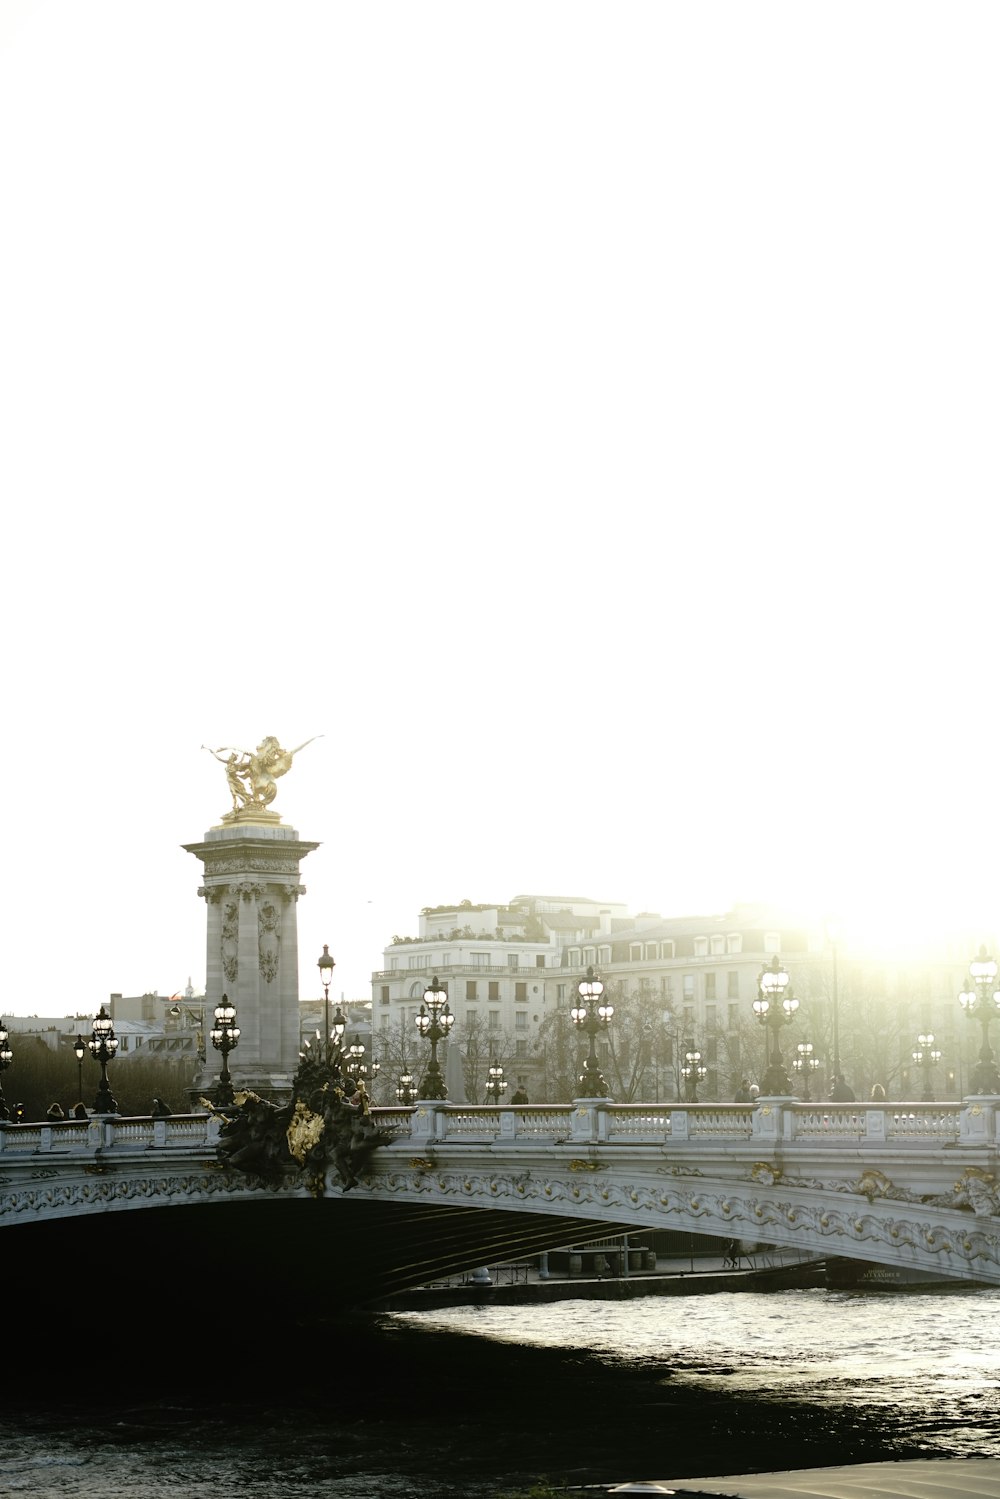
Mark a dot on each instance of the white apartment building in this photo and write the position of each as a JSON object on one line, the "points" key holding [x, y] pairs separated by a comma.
{"points": [[502, 965]]}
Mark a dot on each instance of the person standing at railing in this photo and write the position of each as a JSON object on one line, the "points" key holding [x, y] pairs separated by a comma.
{"points": [[520, 1096], [840, 1092], [743, 1094]]}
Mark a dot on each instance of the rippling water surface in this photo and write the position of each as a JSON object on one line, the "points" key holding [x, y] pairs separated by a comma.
{"points": [[484, 1400]]}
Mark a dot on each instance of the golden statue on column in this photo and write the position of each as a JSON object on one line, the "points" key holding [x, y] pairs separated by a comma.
{"points": [[253, 774]]}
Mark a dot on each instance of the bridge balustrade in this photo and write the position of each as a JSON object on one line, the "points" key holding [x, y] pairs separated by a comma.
{"points": [[586, 1121]]}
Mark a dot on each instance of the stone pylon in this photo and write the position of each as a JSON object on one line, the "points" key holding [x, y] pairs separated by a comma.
{"points": [[252, 885]]}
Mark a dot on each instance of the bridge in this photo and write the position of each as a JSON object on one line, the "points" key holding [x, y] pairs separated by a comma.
{"points": [[457, 1186]]}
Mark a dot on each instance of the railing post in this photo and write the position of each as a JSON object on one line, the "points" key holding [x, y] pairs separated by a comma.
{"points": [[875, 1125], [678, 1124], [767, 1119], [977, 1123], [430, 1120], [508, 1124], [585, 1125]]}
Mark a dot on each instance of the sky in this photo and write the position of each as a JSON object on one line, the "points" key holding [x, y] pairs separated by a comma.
{"points": [[581, 417]]}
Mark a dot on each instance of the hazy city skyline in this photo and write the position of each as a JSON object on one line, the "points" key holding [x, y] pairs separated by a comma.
{"points": [[581, 417]]}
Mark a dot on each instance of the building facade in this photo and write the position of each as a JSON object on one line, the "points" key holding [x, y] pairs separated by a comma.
{"points": [[509, 967]]}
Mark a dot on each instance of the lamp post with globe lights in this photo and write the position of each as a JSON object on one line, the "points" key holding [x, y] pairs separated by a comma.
{"points": [[225, 1036], [355, 1064], [434, 1022], [80, 1051], [693, 1071], [775, 1006], [103, 1044], [496, 1085], [804, 1064], [326, 965], [592, 1015], [927, 1055], [6, 1057], [404, 1086], [980, 1000]]}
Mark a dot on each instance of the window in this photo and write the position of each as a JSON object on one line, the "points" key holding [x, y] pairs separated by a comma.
{"points": [[513, 960], [732, 986], [494, 1020], [521, 993], [701, 947], [733, 1017], [384, 1022], [470, 1019], [574, 957], [494, 993], [480, 959], [651, 951], [589, 957], [415, 960], [711, 1020], [688, 987], [393, 964], [604, 955], [718, 945], [416, 991], [772, 942], [540, 960], [635, 952], [560, 991], [667, 986], [734, 942], [384, 994], [666, 949], [521, 1048], [710, 986], [521, 1020]]}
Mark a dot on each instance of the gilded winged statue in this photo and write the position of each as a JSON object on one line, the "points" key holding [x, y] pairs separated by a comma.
{"points": [[253, 774]]}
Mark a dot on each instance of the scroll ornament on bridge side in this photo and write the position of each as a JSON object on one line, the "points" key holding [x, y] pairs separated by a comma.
{"points": [[975, 1189]]}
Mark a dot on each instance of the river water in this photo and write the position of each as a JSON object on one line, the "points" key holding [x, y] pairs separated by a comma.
{"points": [[483, 1401]]}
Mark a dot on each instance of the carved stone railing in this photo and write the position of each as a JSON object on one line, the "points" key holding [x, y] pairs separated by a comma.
{"points": [[689, 1126]]}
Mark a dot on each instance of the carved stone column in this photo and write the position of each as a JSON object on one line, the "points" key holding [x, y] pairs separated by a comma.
{"points": [[251, 886]]}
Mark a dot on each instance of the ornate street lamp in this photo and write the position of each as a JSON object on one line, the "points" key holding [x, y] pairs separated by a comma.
{"points": [[981, 1001], [693, 1072], [591, 1015], [496, 1086], [404, 1086], [927, 1055], [326, 966], [774, 1007], [80, 1050], [103, 1044], [6, 1057], [434, 1022], [355, 1064], [804, 1065], [225, 1036]]}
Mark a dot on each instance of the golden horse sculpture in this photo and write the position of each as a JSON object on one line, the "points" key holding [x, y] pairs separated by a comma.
{"points": [[253, 774]]}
